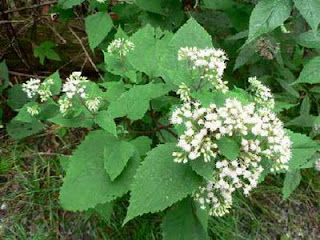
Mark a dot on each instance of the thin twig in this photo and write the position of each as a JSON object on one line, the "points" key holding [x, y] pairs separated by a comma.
{"points": [[85, 51], [28, 7], [26, 75]]}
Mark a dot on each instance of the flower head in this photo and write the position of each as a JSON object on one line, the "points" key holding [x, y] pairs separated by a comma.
{"points": [[31, 87], [75, 85], [121, 46]]}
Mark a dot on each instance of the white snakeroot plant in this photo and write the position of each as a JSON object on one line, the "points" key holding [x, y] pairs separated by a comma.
{"points": [[120, 46], [210, 62], [260, 135], [33, 110], [75, 85], [31, 87]]}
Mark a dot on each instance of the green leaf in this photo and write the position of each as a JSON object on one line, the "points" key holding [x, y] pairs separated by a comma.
{"points": [[97, 27], [291, 182], [135, 102], [46, 50], [70, 3], [191, 34], [105, 210], [154, 6], [16, 97], [310, 10], [204, 169], [56, 87], [160, 182], [311, 72], [267, 16], [309, 39], [105, 121], [303, 147], [4, 76], [86, 183], [114, 90], [146, 59], [182, 223], [71, 121], [245, 56], [116, 156], [229, 147], [20, 130], [142, 144]]}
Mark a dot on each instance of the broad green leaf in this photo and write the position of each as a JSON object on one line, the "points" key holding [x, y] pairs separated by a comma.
{"points": [[303, 147], [86, 183], [309, 39], [229, 147], [116, 156], [219, 4], [105, 210], [154, 6], [98, 26], [16, 97], [24, 116], [310, 10], [268, 15], [142, 144], [135, 102], [245, 56], [20, 130], [105, 121], [114, 90], [70, 3], [56, 87], [182, 223], [311, 72], [204, 169], [4, 76], [146, 54], [305, 120], [46, 50], [160, 182], [291, 182], [82, 120], [191, 34]]}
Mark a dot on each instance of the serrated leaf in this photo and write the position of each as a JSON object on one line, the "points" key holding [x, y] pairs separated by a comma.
{"points": [[70, 3], [142, 145], [309, 39], [116, 156], [86, 183], [267, 16], [46, 50], [16, 97], [4, 76], [303, 147], [311, 72], [114, 90], [160, 182], [310, 10], [146, 59], [105, 121], [98, 26], [20, 130], [291, 182], [82, 120], [135, 102], [105, 210], [56, 87], [181, 222], [204, 169], [229, 147], [191, 34]]}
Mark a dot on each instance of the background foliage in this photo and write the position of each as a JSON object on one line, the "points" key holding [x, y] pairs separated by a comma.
{"points": [[276, 40]]}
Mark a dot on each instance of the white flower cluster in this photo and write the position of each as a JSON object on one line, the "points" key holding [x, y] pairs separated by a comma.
{"points": [[64, 105], [75, 85], [261, 135], [121, 46], [33, 110], [262, 94], [184, 92], [34, 87], [93, 104], [210, 61], [31, 87]]}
